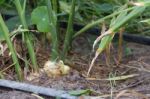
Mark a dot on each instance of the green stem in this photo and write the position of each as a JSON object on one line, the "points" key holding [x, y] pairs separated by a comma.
{"points": [[55, 5], [27, 36], [69, 33], [11, 48], [53, 30]]}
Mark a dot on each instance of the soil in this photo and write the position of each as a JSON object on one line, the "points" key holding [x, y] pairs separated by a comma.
{"points": [[135, 61], [15, 94]]}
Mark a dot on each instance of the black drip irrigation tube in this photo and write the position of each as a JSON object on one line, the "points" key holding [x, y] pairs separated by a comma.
{"points": [[126, 36], [53, 93], [43, 91]]}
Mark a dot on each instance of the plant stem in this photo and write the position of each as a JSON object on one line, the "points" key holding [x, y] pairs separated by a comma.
{"points": [[27, 36], [69, 33], [53, 30], [120, 49], [11, 48], [55, 5]]}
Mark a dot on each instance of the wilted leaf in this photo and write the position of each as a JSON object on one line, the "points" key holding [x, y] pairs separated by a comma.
{"points": [[107, 37], [117, 78]]}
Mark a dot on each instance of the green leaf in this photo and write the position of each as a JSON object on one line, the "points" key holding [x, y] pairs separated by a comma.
{"points": [[119, 18], [2, 1], [14, 22], [80, 92], [39, 17], [105, 8], [104, 42]]}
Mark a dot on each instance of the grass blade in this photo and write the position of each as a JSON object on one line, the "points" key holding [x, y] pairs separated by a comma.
{"points": [[27, 36], [11, 48]]}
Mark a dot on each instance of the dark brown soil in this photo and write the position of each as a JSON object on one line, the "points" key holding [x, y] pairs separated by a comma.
{"points": [[15, 95], [135, 61]]}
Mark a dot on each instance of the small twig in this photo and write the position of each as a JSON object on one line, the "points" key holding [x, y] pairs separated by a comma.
{"points": [[133, 67], [7, 67], [132, 92], [115, 78], [39, 97], [132, 85], [92, 63], [23, 59]]}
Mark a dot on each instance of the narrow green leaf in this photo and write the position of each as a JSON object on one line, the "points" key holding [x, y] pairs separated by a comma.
{"points": [[146, 21], [5, 32], [26, 35], [120, 17], [80, 92], [134, 13], [94, 23]]}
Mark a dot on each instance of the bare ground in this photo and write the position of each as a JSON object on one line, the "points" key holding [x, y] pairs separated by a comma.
{"points": [[136, 61]]}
